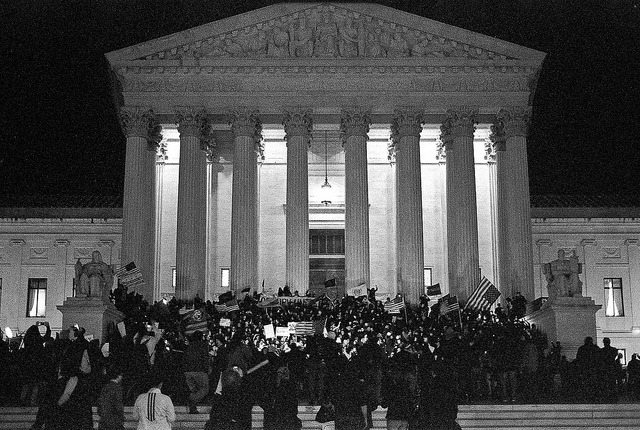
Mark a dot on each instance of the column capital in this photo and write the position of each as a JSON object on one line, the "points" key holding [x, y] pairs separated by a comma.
{"points": [[406, 121], [297, 122], [138, 121], [246, 122], [161, 152], [632, 242], [514, 121], [441, 153], [194, 122], [458, 122], [354, 121]]}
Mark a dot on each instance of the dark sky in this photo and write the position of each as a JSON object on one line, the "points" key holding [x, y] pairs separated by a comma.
{"points": [[60, 134]]}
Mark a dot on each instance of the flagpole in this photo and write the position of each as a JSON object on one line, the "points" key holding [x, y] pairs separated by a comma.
{"points": [[404, 305]]}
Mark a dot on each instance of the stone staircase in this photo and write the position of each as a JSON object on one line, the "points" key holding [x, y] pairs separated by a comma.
{"points": [[472, 417]]}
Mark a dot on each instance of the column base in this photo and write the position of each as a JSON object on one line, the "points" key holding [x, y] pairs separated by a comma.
{"points": [[91, 313], [567, 320]]}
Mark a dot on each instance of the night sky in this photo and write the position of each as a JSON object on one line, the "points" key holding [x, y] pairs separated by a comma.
{"points": [[60, 132]]}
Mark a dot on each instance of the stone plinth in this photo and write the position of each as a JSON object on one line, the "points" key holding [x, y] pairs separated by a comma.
{"points": [[567, 320], [90, 313]]}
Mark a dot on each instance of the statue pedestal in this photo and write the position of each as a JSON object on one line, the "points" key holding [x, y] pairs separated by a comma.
{"points": [[91, 313], [567, 320]]}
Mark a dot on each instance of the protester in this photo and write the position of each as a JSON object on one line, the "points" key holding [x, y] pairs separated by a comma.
{"points": [[196, 370], [110, 406], [154, 410]]}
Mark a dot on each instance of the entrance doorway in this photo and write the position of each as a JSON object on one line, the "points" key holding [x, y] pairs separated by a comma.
{"points": [[326, 258]]}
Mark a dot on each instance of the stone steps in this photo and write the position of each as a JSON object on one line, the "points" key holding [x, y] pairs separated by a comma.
{"points": [[471, 417]]}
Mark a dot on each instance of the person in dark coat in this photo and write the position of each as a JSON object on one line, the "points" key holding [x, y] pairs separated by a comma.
{"points": [[281, 403], [110, 402], [232, 409], [348, 395]]}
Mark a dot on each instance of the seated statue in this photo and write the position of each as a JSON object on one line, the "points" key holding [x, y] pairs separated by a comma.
{"points": [[562, 277], [95, 278]]}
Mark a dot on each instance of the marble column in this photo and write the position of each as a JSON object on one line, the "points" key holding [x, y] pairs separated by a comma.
{"points": [[160, 164], [515, 122], [354, 126], [297, 127], [633, 251], [405, 137], [139, 201], [194, 130], [462, 217], [247, 146], [502, 206]]}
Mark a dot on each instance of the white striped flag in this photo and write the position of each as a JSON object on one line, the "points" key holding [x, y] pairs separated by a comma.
{"points": [[309, 328], [232, 305], [394, 306], [449, 304], [483, 296], [221, 308], [130, 275]]}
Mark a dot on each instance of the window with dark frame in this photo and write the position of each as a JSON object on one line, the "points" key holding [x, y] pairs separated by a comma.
{"points": [[613, 300], [36, 297], [326, 242], [174, 278]]}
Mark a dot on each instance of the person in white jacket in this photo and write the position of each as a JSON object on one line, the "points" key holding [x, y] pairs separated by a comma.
{"points": [[154, 410]]}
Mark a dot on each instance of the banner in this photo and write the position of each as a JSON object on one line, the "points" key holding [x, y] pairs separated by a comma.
{"points": [[433, 290], [225, 322], [269, 333], [282, 331]]}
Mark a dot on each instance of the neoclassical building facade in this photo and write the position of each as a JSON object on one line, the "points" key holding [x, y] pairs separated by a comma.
{"points": [[303, 142]]}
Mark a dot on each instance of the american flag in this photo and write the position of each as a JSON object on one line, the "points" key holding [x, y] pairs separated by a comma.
{"points": [[483, 296], [309, 328], [130, 275], [394, 306], [230, 306], [449, 304]]}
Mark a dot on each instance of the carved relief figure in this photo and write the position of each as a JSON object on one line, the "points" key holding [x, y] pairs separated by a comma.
{"points": [[301, 40], [95, 278], [257, 44], [232, 48], [398, 46], [562, 277], [278, 45], [350, 43], [427, 47], [374, 48], [326, 35]]}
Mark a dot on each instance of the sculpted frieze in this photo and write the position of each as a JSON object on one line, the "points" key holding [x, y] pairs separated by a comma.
{"points": [[321, 32], [338, 82]]}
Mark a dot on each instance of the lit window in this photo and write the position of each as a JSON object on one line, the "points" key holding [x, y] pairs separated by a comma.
{"points": [[36, 297], [613, 304], [174, 277], [224, 277], [428, 280]]}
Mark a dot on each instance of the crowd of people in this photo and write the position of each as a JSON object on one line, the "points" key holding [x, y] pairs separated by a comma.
{"points": [[419, 364]]}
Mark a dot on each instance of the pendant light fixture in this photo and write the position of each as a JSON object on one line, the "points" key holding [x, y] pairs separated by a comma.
{"points": [[326, 187]]}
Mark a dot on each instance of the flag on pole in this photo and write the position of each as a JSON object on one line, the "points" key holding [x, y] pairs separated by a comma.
{"points": [[449, 304], [330, 283], [309, 328], [434, 290], [359, 291], [221, 308], [483, 296], [232, 305], [394, 306], [130, 275], [196, 320]]}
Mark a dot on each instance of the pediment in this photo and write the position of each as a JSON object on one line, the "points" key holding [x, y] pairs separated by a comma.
{"points": [[338, 32]]}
